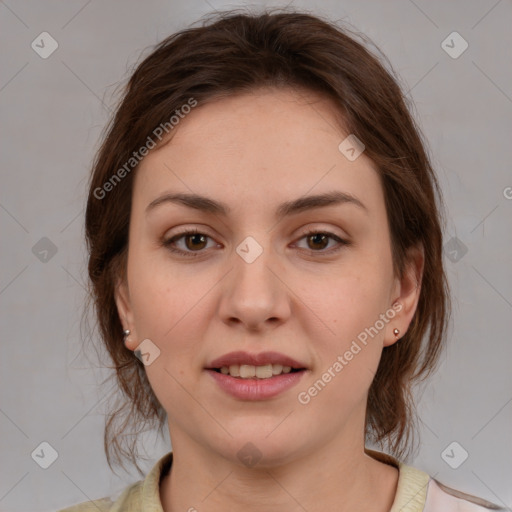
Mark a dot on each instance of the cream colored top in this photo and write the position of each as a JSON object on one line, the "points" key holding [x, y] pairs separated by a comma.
{"points": [[416, 492]]}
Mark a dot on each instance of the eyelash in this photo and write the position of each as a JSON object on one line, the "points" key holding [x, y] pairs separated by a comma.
{"points": [[194, 254]]}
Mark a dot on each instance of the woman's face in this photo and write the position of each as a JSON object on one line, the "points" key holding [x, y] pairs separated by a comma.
{"points": [[252, 280]]}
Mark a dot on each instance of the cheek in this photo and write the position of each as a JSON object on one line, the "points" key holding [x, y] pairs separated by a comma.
{"points": [[158, 293], [348, 354], [169, 311], [353, 307], [172, 308], [353, 299]]}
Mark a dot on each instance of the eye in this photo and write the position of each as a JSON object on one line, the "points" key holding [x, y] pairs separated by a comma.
{"points": [[194, 242], [320, 240]]}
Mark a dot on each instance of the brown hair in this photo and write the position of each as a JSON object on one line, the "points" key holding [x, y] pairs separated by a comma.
{"points": [[236, 52]]}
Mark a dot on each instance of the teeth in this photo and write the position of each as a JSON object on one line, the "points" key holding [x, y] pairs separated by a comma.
{"points": [[264, 372], [248, 371], [277, 369]]}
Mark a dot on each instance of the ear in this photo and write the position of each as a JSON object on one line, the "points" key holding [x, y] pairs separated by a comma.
{"points": [[406, 294], [122, 298]]}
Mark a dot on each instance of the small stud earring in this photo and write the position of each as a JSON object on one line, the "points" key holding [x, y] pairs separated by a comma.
{"points": [[396, 332], [126, 334]]}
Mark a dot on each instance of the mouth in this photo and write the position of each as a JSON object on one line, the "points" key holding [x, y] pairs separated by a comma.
{"points": [[242, 365], [262, 376]]}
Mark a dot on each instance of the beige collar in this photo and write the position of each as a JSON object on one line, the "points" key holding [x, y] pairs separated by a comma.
{"points": [[410, 494]]}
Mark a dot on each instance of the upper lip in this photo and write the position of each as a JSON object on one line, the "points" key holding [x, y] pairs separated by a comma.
{"points": [[261, 359]]}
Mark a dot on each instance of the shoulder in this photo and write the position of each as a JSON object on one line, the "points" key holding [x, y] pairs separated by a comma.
{"points": [[102, 505], [127, 501], [144, 491], [417, 491], [442, 497]]}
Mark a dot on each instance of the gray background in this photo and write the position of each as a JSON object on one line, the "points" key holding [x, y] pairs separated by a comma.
{"points": [[53, 111]]}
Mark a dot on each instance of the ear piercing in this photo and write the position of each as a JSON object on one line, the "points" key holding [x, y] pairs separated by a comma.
{"points": [[396, 332]]}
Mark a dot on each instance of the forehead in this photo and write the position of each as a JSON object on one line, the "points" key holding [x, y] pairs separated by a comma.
{"points": [[264, 146]]}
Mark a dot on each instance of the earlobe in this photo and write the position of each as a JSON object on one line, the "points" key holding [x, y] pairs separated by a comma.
{"points": [[407, 295], [128, 341], [122, 299]]}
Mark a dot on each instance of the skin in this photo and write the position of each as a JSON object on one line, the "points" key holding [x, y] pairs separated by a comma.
{"points": [[254, 151]]}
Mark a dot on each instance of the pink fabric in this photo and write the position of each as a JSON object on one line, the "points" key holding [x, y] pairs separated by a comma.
{"points": [[440, 501]]}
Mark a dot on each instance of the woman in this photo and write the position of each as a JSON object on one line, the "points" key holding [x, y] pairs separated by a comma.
{"points": [[264, 231]]}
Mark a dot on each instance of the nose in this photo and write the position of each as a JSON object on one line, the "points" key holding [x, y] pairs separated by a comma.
{"points": [[254, 293]]}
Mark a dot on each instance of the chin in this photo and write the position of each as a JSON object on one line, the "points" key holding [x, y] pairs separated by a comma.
{"points": [[254, 447]]}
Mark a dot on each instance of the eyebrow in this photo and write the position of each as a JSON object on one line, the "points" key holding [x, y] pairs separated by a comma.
{"points": [[287, 208]]}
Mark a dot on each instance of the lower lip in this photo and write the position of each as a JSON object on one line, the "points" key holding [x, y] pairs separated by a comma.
{"points": [[256, 389]]}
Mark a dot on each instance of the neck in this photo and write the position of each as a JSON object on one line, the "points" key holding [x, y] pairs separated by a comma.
{"points": [[331, 477]]}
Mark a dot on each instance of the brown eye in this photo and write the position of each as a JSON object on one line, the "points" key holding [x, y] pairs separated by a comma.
{"points": [[318, 241], [192, 243], [195, 241]]}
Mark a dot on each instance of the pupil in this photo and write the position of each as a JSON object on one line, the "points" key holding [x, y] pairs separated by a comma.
{"points": [[318, 235], [193, 237]]}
